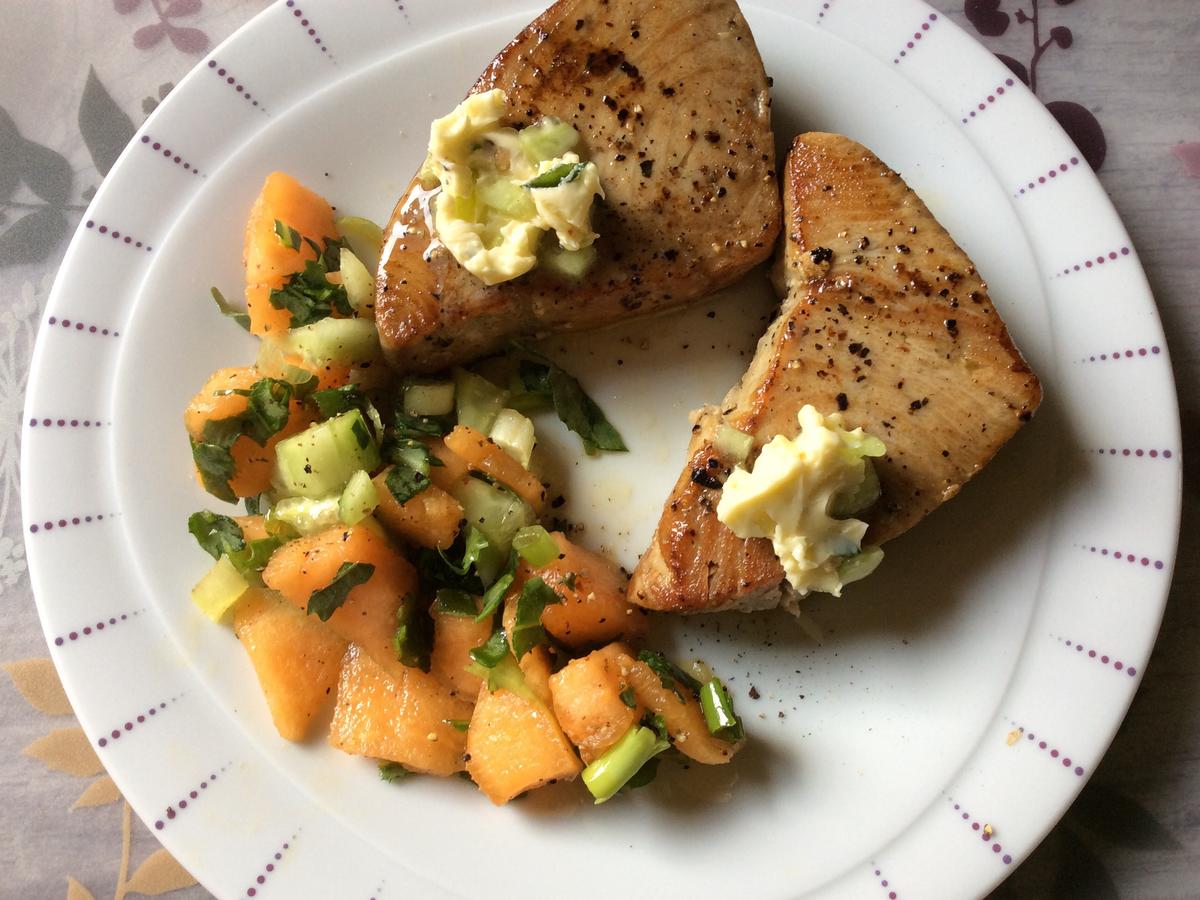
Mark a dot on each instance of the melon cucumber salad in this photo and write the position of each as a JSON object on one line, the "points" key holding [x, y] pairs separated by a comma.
{"points": [[394, 559]]}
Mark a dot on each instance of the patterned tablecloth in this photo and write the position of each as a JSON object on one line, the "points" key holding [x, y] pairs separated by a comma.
{"points": [[76, 78]]}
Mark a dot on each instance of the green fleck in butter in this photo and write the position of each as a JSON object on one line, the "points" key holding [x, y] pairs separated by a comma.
{"points": [[790, 493], [500, 193]]}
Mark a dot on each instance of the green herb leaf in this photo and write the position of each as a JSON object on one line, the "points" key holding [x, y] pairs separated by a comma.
{"points": [[324, 602], [216, 466], [417, 426], [405, 483], [646, 774], [392, 771], [574, 407], [458, 724], [266, 409], [476, 544], [288, 236], [527, 631], [229, 310], [413, 641], [255, 505], [493, 651], [256, 554], [335, 401], [216, 534], [434, 574], [454, 602], [493, 596], [669, 674], [308, 295], [629, 698], [658, 725], [560, 174]]}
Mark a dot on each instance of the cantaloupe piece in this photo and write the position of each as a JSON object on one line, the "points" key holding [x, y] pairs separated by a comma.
{"points": [[453, 470], [368, 617], [254, 528], [296, 658], [484, 455], [268, 261], [453, 639], [594, 609], [587, 702], [432, 518], [254, 464], [402, 717], [514, 745], [683, 718]]}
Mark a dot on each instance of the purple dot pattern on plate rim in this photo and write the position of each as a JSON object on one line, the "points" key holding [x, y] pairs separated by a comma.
{"points": [[886, 885], [60, 524], [59, 422], [310, 29], [1136, 453], [1051, 175], [130, 724], [1127, 353], [220, 71], [1103, 658], [1091, 262], [825, 7], [985, 832], [912, 43], [997, 92], [1054, 752], [117, 235], [173, 811], [82, 327], [85, 631], [1132, 558], [261, 878], [167, 153]]}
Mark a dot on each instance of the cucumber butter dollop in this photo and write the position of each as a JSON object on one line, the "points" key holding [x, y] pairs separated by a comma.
{"points": [[787, 496], [503, 189]]}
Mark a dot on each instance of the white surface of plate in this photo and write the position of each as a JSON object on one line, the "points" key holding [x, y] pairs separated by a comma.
{"points": [[959, 698]]}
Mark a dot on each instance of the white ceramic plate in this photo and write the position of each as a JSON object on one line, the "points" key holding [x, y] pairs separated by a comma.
{"points": [[960, 698]]}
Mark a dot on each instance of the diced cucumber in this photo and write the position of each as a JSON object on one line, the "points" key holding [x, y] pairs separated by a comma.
{"points": [[513, 432], [341, 342], [364, 237], [497, 513], [571, 264], [506, 197], [476, 400], [858, 567], [548, 139], [359, 499], [733, 443], [413, 457], [319, 461], [433, 399], [359, 284], [843, 506], [536, 546], [217, 592], [306, 516]]}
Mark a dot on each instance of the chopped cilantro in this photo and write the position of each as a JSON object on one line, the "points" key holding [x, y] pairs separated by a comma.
{"points": [[458, 724], [254, 505], [454, 602], [229, 310], [335, 401], [324, 602], [215, 464], [574, 407], [288, 236], [308, 295], [493, 651], [216, 534], [256, 554], [527, 631], [629, 698], [266, 409], [392, 771], [405, 483], [669, 674], [495, 593]]}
